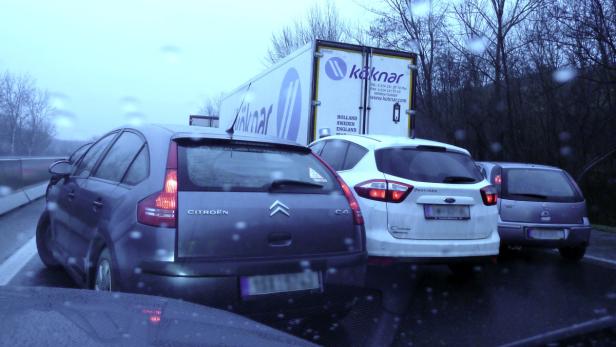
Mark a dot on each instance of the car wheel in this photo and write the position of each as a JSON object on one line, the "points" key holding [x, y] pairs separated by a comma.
{"points": [[43, 233], [572, 253], [462, 269], [103, 278]]}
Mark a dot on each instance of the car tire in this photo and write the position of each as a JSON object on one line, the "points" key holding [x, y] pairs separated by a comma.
{"points": [[572, 253], [103, 275], [462, 269], [42, 246]]}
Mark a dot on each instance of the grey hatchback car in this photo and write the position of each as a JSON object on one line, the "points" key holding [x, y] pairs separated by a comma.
{"points": [[254, 225], [539, 206]]}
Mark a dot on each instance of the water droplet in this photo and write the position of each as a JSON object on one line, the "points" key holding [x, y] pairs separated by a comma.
{"points": [[434, 311], [413, 267], [5, 190], [129, 104], [126, 335], [135, 235], [30, 274], [477, 45], [171, 53], [566, 151], [52, 206], [428, 289], [67, 303], [64, 119], [348, 241], [611, 296], [280, 315], [135, 118], [115, 295], [161, 252], [240, 225], [332, 270], [460, 134], [137, 270], [276, 175], [369, 298], [235, 237], [140, 284], [72, 260], [304, 264], [564, 136], [496, 147], [564, 74], [58, 100], [601, 310], [420, 8]]}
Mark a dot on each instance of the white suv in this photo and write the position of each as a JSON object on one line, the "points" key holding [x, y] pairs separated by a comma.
{"points": [[419, 198]]}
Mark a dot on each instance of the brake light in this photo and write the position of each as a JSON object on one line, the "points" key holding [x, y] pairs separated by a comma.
{"points": [[159, 209], [383, 190], [488, 195], [357, 216]]}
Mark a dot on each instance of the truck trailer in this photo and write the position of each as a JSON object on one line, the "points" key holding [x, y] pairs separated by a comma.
{"points": [[327, 88]]}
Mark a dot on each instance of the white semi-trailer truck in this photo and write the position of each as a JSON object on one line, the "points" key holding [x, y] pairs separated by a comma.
{"points": [[327, 88]]}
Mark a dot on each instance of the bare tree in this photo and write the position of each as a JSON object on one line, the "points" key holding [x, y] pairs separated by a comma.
{"points": [[321, 22], [211, 105]]}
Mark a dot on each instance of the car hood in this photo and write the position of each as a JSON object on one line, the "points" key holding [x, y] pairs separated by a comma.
{"points": [[36, 316]]}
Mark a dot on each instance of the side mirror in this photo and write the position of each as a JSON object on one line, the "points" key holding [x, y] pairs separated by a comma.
{"points": [[60, 168]]}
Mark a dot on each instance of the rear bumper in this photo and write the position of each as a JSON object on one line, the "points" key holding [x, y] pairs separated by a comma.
{"points": [[217, 283], [384, 245], [517, 234]]}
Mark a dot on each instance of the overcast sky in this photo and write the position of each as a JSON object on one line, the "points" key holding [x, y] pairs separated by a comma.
{"points": [[102, 60]]}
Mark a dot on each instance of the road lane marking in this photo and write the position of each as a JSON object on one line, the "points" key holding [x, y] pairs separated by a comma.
{"points": [[603, 260], [17, 261]]}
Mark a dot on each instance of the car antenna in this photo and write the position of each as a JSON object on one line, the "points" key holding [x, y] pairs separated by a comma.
{"points": [[231, 129]]}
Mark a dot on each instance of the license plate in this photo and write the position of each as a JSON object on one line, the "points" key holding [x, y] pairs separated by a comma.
{"points": [[538, 234], [280, 283], [451, 212]]}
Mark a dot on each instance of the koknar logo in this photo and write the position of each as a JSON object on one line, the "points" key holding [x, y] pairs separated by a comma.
{"points": [[335, 68], [289, 106]]}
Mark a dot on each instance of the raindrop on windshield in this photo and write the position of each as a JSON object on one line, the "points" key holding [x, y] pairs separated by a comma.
{"points": [[137, 270], [460, 134], [304, 264], [477, 45], [235, 237], [58, 100], [129, 104], [52, 206], [64, 119], [601, 310], [171, 53], [276, 175], [240, 225], [564, 136], [72, 260], [161, 252], [135, 235], [420, 8], [135, 118], [566, 151], [496, 147], [5, 190], [564, 74]]}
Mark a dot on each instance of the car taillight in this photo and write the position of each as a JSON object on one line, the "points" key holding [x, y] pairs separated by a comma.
{"points": [[159, 209], [383, 190], [357, 216], [488, 195]]}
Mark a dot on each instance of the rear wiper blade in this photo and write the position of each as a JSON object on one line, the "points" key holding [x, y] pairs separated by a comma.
{"points": [[530, 195], [458, 179], [289, 182]]}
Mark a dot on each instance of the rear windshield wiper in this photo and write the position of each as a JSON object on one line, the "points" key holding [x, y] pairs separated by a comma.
{"points": [[530, 195], [289, 182], [458, 179]]}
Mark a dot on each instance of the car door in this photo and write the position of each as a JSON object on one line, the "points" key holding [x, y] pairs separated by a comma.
{"points": [[62, 216], [99, 193]]}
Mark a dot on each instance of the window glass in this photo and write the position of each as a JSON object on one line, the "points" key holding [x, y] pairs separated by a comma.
{"points": [[333, 153], [250, 168], [353, 156], [539, 185], [91, 157], [435, 166], [78, 153], [119, 157], [138, 170]]}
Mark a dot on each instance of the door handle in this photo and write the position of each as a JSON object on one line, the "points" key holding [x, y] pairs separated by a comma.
{"points": [[279, 239], [97, 204], [71, 195]]}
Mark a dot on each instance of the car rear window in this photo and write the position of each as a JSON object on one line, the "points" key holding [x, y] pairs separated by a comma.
{"points": [[247, 167], [538, 185], [435, 165]]}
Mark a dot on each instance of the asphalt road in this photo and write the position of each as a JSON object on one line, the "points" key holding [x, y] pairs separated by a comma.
{"points": [[526, 293]]}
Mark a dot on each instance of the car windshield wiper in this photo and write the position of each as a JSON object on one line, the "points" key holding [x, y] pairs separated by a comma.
{"points": [[530, 195], [289, 182], [458, 179]]}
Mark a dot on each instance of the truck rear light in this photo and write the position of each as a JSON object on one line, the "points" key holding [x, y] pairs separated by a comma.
{"points": [[383, 190], [357, 216], [159, 209], [488, 195]]}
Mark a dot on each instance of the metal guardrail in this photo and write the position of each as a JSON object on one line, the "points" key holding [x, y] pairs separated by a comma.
{"points": [[16, 173]]}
